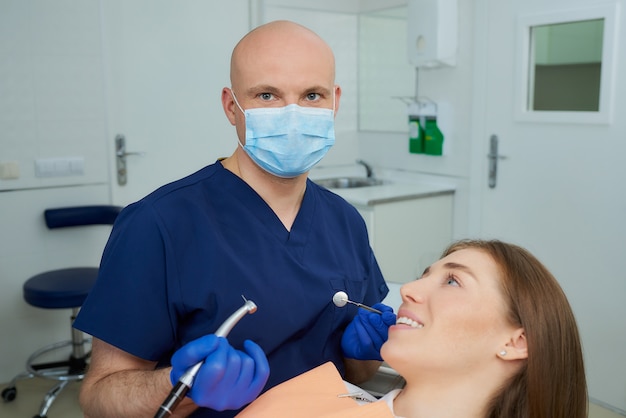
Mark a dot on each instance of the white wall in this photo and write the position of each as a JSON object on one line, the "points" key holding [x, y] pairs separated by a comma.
{"points": [[51, 106], [51, 90]]}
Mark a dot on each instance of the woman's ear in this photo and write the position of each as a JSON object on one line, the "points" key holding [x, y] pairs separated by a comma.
{"points": [[516, 347]]}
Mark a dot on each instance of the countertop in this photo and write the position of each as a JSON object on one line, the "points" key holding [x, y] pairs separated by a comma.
{"points": [[392, 191]]}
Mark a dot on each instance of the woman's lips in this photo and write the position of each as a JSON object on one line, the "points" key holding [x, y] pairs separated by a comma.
{"points": [[407, 318]]}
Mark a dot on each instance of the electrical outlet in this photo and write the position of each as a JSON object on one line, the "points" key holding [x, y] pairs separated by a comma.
{"points": [[9, 170]]}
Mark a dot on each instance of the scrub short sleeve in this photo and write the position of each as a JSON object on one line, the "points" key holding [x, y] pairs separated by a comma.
{"points": [[129, 307]]}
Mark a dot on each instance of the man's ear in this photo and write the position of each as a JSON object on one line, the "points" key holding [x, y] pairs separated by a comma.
{"points": [[228, 104], [337, 93], [516, 347]]}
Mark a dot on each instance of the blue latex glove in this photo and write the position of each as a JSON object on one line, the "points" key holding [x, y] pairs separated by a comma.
{"points": [[228, 379], [367, 332]]}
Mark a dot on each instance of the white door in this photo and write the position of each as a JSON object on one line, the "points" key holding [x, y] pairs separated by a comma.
{"points": [[560, 191], [165, 65]]}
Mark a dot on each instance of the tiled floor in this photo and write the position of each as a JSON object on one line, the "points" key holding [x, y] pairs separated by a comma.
{"points": [[31, 392]]}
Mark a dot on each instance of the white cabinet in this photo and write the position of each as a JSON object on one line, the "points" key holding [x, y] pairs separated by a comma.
{"points": [[409, 235]]}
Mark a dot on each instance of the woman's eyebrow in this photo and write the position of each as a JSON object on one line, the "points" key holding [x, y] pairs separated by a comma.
{"points": [[462, 267]]}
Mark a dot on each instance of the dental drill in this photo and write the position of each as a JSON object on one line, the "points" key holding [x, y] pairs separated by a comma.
{"points": [[186, 380], [341, 298]]}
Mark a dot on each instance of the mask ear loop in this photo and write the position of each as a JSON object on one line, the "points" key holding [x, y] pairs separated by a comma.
{"points": [[236, 101], [244, 114]]}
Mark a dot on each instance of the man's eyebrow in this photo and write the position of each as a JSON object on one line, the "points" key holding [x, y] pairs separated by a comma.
{"points": [[318, 89], [263, 88]]}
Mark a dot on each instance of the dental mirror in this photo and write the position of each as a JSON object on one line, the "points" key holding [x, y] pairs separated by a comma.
{"points": [[340, 299]]}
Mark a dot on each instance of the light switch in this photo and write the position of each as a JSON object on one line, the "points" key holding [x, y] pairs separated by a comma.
{"points": [[44, 167], [77, 166], [9, 170], [59, 167]]}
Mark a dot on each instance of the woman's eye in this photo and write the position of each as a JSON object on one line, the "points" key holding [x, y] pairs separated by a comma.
{"points": [[452, 281]]}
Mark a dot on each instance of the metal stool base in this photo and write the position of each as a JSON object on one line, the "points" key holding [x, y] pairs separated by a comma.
{"points": [[71, 369]]}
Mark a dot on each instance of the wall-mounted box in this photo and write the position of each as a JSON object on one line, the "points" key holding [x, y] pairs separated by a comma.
{"points": [[432, 32]]}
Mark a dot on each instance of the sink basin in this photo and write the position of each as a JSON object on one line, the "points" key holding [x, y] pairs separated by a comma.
{"points": [[349, 182]]}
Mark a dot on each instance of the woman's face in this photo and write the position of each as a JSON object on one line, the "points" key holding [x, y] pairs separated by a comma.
{"points": [[452, 318]]}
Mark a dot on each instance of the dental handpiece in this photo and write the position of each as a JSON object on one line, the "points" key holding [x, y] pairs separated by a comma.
{"points": [[185, 382], [341, 298]]}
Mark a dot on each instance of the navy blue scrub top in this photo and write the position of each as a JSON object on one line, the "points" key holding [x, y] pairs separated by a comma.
{"points": [[178, 261]]}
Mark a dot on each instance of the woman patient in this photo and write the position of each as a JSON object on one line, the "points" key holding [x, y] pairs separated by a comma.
{"points": [[485, 332]]}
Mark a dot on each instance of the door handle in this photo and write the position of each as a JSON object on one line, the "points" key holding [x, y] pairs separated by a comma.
{"points": [[120, 158], [493, 157]]}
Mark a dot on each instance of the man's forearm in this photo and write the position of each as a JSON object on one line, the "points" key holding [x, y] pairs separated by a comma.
{"points": [[129, 393]]}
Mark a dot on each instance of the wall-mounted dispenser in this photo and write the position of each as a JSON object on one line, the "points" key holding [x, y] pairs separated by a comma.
{"points": [[425, 137], [432, 32], [416, 129]]}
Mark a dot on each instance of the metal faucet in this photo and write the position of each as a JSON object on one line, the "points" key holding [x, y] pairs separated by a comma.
{"points": [[368, 168]]}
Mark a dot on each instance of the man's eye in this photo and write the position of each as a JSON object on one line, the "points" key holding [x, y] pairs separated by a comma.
{"points": [[266, 96], [312, 96]]}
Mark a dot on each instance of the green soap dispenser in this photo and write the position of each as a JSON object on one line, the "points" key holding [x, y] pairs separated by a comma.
{"points": [[433, 138]]}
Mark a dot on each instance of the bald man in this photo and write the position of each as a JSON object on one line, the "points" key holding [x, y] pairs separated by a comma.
{"points": [[179, 260]]}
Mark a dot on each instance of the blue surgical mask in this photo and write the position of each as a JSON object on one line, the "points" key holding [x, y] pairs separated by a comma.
{"points": [[288, 141]]}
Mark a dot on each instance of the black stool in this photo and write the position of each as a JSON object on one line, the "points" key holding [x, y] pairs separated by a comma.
{"points": [[62, 289]]}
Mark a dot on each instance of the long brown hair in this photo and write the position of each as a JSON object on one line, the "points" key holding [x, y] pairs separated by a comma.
{"points": [[551, 384]]}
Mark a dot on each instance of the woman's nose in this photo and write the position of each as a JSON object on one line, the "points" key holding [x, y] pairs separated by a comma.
{"points": [[412, 292]]}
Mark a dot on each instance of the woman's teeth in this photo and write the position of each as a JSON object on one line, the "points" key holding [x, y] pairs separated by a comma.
{"points": [[408, 321]]}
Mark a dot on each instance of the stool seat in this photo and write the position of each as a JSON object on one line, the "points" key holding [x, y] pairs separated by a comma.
{"points": [[62, 288]]}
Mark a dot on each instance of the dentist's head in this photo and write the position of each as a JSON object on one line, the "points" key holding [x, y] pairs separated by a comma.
{"points": [[282, 99]]}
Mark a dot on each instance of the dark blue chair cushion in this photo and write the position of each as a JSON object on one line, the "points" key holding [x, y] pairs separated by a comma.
{"points": [[63, 288], [81, 215]]}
